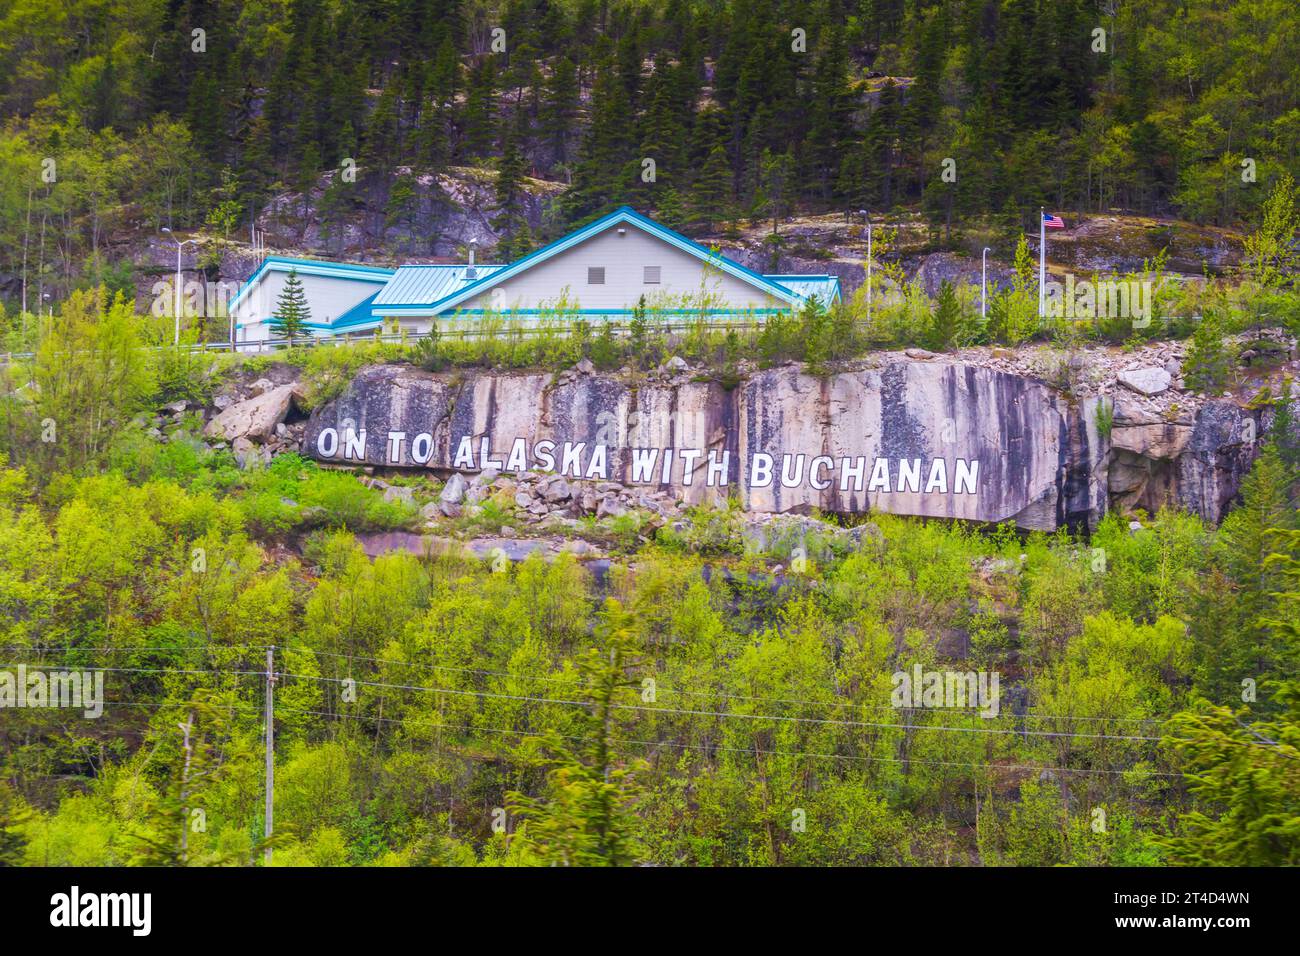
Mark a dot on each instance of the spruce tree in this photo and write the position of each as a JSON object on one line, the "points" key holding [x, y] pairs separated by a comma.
{"points": [[945, 321], [711, 193], [511, 224], [289, 321], [559, 106]]}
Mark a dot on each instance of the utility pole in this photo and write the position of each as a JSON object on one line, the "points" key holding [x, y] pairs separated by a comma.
{"points": [[1042, 264], [185, 788], [270, 745], [179, 281], [984, 281]]}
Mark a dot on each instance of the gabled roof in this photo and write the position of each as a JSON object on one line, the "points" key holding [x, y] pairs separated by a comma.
{"points": [[826, 288], [422, 285], [628, 215], [313, 267]]}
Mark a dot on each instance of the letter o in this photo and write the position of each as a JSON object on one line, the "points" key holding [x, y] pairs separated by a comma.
{"points": [[332, 436], [422, 448]]}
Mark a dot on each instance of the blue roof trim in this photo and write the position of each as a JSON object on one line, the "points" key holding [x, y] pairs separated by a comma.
{"points": [[794, 280], [358, 313], [622, 214], [321, 267]]}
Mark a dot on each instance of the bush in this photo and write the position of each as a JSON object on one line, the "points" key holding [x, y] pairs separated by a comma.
{"points": [[1209, 358]]}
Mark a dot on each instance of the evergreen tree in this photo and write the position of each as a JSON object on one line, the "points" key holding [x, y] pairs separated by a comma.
{"points": [[559, 106], [511, 223], [945, 320], [1209, 359], [479, 118], [710, 201], [291, 315]]}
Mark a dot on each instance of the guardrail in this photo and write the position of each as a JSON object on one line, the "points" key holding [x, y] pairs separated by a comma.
{"points": [[410, 337]]}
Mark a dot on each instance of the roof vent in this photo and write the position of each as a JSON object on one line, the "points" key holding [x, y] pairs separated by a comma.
{"points": [[470, 271]]}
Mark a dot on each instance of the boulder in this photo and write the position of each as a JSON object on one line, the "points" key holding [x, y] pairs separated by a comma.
{"points": [[256, 418], [1158, 441], [453, 492], [557, 490], [610, 507], [1146, 381], [397, 493]]}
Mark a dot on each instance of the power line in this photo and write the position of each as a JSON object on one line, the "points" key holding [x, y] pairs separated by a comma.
{"points": [[730, 714], [664, 710], [689, 693], [741, 750]]}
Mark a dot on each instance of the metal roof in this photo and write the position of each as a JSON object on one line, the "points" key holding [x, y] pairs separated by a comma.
{"points": [[826, 288], [427, 284]]}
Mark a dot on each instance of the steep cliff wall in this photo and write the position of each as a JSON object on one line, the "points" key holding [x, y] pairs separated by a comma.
{"points": [[932, 438]]}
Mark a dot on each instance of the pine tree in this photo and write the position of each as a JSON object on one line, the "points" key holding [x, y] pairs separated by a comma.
{"points": [[609, 161], [559, 105], [511, 224], [711, 193], [670, 210], [1209, 357], [479, 121], [588, 818], [945, 321], [1233, 632], [289, 321]]}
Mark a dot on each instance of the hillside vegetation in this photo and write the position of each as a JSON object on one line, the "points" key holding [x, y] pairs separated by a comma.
{"points": [[698, 699], [128, 115]]}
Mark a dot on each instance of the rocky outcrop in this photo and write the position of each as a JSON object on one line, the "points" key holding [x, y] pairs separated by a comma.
{"points": [[914, 434]]}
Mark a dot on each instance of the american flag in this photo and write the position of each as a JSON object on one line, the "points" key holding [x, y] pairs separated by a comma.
{"points": [[1053, 222]]}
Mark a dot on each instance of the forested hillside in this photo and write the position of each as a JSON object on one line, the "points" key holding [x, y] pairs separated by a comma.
{"points": [[128, 115]]}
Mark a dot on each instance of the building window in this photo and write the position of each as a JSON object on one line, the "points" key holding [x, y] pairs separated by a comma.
{"points": [[652, 275], [595, 275]]}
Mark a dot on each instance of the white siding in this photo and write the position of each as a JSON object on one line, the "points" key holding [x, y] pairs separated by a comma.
{"points": [[624, 258], [327, 297]]}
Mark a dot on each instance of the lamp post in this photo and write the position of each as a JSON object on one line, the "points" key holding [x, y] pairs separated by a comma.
{"points": [[867, 219], [984, 278], [176, 337]]}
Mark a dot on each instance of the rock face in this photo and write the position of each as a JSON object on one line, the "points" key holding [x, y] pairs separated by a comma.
{"points": [[926, 436]]}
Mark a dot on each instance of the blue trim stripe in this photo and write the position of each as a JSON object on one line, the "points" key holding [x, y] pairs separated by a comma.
{"points": [[321, 267]]}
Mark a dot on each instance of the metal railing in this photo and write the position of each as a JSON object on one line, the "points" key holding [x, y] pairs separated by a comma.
{"points": [[408, 337]]}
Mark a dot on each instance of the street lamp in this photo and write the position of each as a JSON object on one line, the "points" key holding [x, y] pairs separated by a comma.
{"points": [[984, 278], [176, 338], [863, 213]]}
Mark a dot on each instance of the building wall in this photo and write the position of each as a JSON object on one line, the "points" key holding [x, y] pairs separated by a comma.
{"points": [[623, 258], [327, 297]]}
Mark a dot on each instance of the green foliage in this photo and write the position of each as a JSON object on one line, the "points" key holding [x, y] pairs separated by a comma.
{"points": [[1210, 360], [1242, 771], [291, 315], [945, 324]]}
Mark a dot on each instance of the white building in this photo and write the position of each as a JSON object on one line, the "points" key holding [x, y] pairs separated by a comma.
{"points": [[603, 271], [335, 292]]}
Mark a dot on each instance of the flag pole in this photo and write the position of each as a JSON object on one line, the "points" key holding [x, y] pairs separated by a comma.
{"points": [[1042, 264]]}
